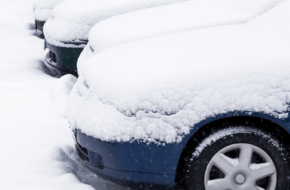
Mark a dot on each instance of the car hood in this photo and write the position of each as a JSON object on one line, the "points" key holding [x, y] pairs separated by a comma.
{"points": [[157, 89], [173, 18], [72, 20]]}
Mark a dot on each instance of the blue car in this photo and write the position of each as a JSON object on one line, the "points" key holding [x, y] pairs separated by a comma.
{"points": [[202, 110]]}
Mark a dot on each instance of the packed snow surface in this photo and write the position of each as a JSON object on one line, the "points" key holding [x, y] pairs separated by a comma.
{"points": [[157, 89], [72, 20], [174, 18], [35, 141], [43, 8]]}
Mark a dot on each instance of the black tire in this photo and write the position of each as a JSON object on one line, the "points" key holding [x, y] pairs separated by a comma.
{"points": [[195, 167]]}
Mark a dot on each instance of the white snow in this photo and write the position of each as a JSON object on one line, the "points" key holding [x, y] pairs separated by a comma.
{"points": [[213, 182], [72, 20], [227, 132], [43, 8], [35, 139], [157, 89], [174, 18], [259, 166], [232, 161]]}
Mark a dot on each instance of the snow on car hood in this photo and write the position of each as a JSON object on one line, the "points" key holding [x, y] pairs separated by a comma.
{"points": [[72, 20], [164, 20], [167, 19], [43, 8], [157, 89]]}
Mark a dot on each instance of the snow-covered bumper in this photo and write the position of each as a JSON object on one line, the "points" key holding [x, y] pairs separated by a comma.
{"points": [[63, 59], [135, 165]]}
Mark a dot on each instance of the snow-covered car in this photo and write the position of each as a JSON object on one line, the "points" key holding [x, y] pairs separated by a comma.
{"points": [[42, 11], [202, 109], [172, 18], [66, 33]]}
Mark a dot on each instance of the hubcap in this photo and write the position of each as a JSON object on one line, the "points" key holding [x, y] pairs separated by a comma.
{"points": [[240, 166], [240, 179]]}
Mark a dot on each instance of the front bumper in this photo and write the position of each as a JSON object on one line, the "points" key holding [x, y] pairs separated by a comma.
{"points": [[39, 25], [62, 59], [135, 165]]}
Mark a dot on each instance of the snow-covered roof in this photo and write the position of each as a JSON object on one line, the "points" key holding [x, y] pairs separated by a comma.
{"points": [[174, 18], [157, 89], [72, 20], [43, 8]]}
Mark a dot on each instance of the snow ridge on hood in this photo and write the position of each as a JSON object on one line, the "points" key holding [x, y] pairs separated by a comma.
{"points": [[176, 17], [157, 89]]}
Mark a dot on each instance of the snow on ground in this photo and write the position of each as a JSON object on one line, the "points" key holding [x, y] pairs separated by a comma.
{"points": [[166, 19], [157, 89], [43, 8], [35, 140], [78, 17]]}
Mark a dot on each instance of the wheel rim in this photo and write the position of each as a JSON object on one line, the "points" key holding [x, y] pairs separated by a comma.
{"points": [[240, 166]]}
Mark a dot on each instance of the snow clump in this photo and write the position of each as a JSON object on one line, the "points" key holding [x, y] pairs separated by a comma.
{"points": [[157, 89]]}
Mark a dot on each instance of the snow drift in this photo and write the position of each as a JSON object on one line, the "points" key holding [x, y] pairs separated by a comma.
{"points": [[157, 89]]}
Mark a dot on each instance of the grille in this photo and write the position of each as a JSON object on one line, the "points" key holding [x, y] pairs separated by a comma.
{"points": [[82, 152], [75, 134], [52, 56]]}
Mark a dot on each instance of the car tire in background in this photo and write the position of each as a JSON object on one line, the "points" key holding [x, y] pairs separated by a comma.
{"points": [[237, 158]]}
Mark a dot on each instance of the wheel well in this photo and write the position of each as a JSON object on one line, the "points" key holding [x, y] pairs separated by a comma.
{"points": [[259, 123]]}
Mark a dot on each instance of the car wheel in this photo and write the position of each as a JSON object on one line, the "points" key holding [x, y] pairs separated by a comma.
{"points": [[238, 158]]}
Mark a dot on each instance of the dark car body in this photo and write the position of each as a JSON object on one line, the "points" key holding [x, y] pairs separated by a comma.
{"points": [[39, 25], [62, 59], [150, 166]]}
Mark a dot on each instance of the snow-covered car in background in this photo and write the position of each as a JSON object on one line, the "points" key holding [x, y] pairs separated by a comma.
{"points": [[202, 109], [66, 33], [42, 11], [171, 18]]}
